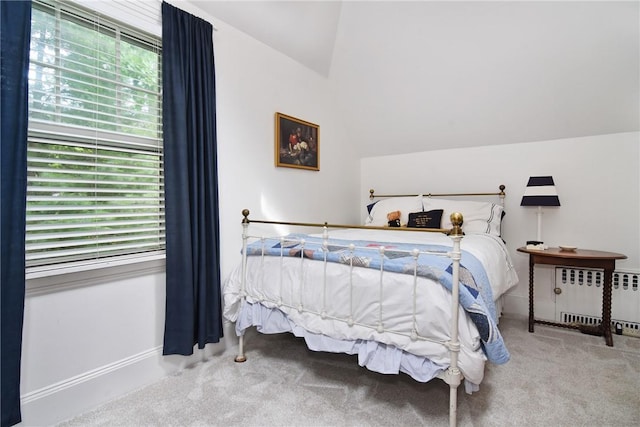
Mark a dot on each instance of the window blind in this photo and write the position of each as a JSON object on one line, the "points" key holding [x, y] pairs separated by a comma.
{"points": [[144, 15], [94, 185]]}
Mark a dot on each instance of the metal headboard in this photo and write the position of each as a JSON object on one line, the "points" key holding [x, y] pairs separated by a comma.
{"points": [[500, 194]]}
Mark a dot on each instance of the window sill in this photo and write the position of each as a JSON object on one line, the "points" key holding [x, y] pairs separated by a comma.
{"points": [[71, 275]]}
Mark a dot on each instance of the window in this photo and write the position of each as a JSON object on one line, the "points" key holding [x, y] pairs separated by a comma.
{"points": [[94, 186]]}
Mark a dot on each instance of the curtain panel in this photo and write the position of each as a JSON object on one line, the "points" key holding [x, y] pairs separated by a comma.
{"points": [[193, 295], [15, 34]]}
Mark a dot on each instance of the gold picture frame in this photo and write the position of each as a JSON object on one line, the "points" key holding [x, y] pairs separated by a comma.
{"points": [[297, 143]]}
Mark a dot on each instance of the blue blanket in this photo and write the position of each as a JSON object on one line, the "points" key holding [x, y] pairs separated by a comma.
{"points": [[475, 292]]}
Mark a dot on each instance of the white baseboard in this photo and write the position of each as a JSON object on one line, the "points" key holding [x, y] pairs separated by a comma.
{"points": [[73, 396]]}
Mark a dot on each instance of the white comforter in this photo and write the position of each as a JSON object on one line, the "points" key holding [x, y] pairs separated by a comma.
{"points": [[332, 310]]}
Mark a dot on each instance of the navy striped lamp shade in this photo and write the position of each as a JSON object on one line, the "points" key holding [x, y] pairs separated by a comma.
{"points": [[541, 191]]}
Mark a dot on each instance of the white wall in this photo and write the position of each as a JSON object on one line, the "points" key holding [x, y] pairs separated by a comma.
{"points": [[96, 335], [597, 179], [92, 337], [253, 83]]}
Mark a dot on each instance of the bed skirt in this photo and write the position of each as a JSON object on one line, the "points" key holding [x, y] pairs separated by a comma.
{"points": [[375, 356]]}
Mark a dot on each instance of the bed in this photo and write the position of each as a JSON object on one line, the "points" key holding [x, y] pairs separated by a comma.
{"points": [[418, 294]]}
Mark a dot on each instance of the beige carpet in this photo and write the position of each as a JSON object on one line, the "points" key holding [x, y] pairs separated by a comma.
{"points": [[556, 377]]}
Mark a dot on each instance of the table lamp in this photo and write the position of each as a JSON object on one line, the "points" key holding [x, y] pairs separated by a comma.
{"points": [[540, 191]]}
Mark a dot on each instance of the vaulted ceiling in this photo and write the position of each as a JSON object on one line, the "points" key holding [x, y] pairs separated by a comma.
{"points": [[421, 75]]}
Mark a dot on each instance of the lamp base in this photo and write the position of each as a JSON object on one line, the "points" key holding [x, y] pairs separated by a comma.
{"points": [[536, 245]]}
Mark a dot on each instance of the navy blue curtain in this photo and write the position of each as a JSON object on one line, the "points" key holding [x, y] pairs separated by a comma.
{"points": [[193, 304], [15, 32]]}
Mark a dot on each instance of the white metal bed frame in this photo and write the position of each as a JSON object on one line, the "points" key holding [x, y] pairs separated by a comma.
{"points": [[452, 376]]}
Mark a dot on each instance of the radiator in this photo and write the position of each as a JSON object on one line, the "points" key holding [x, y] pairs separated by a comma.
{"points": [[580, 299]]}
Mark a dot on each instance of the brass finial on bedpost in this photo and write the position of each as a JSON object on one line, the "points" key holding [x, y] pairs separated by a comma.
{"points": [[371, 194], [456, 221], [245, 214]]}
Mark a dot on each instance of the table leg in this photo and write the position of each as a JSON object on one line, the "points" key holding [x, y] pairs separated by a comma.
{"points": [[531, 317], [606, 306]]}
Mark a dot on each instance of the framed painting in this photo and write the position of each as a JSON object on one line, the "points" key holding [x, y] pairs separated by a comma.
{"points": [[297, 143]]}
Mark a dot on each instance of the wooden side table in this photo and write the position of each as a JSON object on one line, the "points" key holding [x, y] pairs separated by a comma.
{"points": [[578, 258]]}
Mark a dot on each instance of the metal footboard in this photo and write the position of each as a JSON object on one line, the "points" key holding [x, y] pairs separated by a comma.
{"points": [[452, 375]]}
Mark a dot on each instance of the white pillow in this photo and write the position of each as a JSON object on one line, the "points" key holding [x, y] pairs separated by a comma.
{"points": [[478, 217], [406, 205]]}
